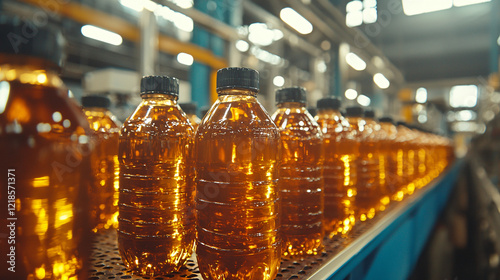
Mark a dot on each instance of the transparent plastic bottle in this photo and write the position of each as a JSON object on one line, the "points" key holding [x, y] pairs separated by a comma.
{"points": [[339, 168], [156, 230], [301, 174], [45, 162], [237, 150], [390, 149], [407, 140], [376, 137], [104, 162], [366, 197], [190, 110]]}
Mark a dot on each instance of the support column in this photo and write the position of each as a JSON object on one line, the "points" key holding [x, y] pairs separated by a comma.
{"points": [[494, 34], [149, 43]]}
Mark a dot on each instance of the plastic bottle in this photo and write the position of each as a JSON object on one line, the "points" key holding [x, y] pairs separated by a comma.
{"points": [[104, 162], [237, 198], [45, 162], [301, 174], [406, 138], [339, 169], [375, 137], [190, 110], [156, 203], [389, 149], [367, 194]]}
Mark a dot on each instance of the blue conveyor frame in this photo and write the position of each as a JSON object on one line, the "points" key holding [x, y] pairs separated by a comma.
{"points": [[390, 249]]}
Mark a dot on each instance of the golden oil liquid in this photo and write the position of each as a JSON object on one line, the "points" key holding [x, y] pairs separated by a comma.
{"points": [[194, 120], [237, 198], [156, 229], [339, 172], [44, 142], [105, 168], [301, 180]]}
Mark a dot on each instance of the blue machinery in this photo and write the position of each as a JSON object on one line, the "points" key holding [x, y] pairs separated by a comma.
{"points": [[391, 247]]}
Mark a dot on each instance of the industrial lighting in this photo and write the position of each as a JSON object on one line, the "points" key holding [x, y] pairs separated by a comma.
{"points": [[185, 4], [381, 81], [354, 6], [355, 61], [461, 3], [422, 118], [421, 95], [185, 58], [464, 127], [354, 19], [363, 100], [278, 34], [4, 95], [463, 96], [266, 56], [351, 94], [415, 7], [102, 35], [242, 45], [279, 81], [498, 40], [182, 22], [260, 34], [370, 15], [321, 66], [296, 21], [465, 115], [133, 4]]}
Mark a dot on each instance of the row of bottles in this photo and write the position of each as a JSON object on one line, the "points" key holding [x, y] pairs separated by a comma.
{"points": [[247, 187]]}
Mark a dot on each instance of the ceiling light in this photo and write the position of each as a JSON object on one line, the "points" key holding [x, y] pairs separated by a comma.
{"points": [[296, 21], [363, 100], [381, 81], [421, 95], [279, 81], [354, 19], [102, 35], [133, 4], [185, 58], [351, 94], [463, 96], [354, 6], [355, 61], [242, 45], [185, 4], [415, 7], [461, 3]]}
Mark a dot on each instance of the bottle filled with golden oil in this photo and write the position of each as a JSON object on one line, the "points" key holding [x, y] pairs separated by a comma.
{"points": [[190, 110], [407, 140], [237, 149], [156, 222], [378, 136], [339, 168], [367, 197], [104, 162], [390, 149], [301, 174], [45, 164]]}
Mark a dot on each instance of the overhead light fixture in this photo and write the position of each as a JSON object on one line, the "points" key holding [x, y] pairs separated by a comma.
{"points": [[133, 4], [260, 34], [355, 61], [296, 21], [465, 115], [279, 81], [185, 58], [422, 118], [242, 45], [185, 4], [265, 56], [4, 95], [103, 35], [463, 96], [416, 7], [354, 6], [421, 95], [354, 19], [498, 40], [381, 81], [351, 94], [461, 3], [363, 100], [321, 66]]}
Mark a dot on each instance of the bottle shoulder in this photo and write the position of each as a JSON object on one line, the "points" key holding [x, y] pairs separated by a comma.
{"points": [[296, 122]]}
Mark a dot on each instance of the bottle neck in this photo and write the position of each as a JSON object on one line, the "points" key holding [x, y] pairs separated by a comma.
{"points": [[294, 105], [236, 91], [159, 97], [96, 109]]}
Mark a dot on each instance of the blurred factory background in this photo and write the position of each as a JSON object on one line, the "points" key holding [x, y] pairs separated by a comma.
{"points": [[433, 63]]}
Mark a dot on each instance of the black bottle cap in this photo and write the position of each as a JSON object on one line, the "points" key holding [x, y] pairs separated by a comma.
{"points": [[354, 111], [25, 37], [238, 77], [369, 113], [386, 120], [313, 111], [328, 103], [95, 101], [189, 108], [291, 94], [160, 84]]}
